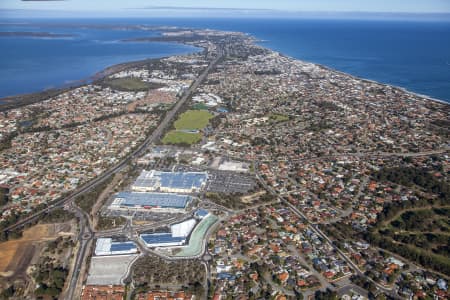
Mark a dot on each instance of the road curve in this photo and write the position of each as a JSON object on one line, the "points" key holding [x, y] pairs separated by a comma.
{"points": [[155, 136], [388, 291]]}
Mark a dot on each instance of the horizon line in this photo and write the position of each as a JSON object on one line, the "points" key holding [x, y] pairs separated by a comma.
{"points": [[19, 13], [182, 8]]}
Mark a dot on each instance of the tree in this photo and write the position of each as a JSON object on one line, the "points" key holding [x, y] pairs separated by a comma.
{"points": [[327, 295], [8, 293]]}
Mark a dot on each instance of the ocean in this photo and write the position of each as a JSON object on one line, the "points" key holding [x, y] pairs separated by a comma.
{"points": [[414, 55], [32, 64]]}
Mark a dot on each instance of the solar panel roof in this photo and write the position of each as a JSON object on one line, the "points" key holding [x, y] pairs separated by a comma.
{"points": [[178, 180], [153, 199], [122, 246], [159, 238], [182, 180]]}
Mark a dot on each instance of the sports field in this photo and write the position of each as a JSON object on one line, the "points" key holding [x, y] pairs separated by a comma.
{"points": [[278, 118], [193, 119], [129, 84], [181, 137], [190, 120]]}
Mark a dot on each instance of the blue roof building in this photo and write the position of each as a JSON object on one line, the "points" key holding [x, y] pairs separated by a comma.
{"points": [[226, 276], [222, 110], [149, 200], [442, 284], [162, 240], [105, 246], [201, 213], [172, 182]]}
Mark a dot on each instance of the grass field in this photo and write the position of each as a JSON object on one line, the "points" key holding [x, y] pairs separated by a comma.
{"points": [[130, 84], [193, 119], [278, 118], [180, 137], [189, 120]]}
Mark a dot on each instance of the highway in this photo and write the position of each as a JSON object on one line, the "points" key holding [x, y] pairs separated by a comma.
{"points": [[139, 228], [73, 195], [86, 234], [155, 136]]}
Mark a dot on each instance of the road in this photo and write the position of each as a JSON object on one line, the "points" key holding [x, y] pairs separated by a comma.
{"points": [[388, 291], [85, 238], [155, 136], [129, 228], [367, 154], [61, 202], [86, 234]]}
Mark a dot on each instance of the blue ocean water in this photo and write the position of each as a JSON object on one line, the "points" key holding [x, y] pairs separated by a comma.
{"points": [[29, 64], [414, 55]]}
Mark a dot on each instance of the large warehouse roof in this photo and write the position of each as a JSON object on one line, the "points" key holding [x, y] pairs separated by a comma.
{"points": [[183, 229], [177, 236], [105, 246], [125, 246], [161, 238], [175, 180], [151, 199]]}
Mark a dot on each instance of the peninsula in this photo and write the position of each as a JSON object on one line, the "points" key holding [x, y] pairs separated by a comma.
{"points": [[33, 34], [232, 173]]}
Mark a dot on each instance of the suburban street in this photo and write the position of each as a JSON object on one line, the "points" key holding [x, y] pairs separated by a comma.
{"points": [[155, 136], [388, 291], [247, 150], [86, 234]]}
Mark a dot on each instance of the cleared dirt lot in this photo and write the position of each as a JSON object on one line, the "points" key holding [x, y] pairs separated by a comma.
{"points": [[16, 255]]}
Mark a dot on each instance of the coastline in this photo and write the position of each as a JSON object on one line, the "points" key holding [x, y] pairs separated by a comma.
{"points": [[290, 120], [84, 54], [19, 100], [425, 97], [34, 34]]}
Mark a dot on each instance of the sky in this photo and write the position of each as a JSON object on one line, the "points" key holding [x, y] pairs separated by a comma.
{"points": [[217, 7]]}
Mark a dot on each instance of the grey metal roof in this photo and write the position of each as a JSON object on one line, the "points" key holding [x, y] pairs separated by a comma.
{"points": [[161, 238], [178, 180], [153, 199]]}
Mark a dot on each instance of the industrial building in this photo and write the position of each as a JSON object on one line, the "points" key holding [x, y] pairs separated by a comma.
{"points": [[162, 240], [176, 237], [183, 229], [162, 202], [234, 166], [170, 182], [201, 213], [105, 246]]}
